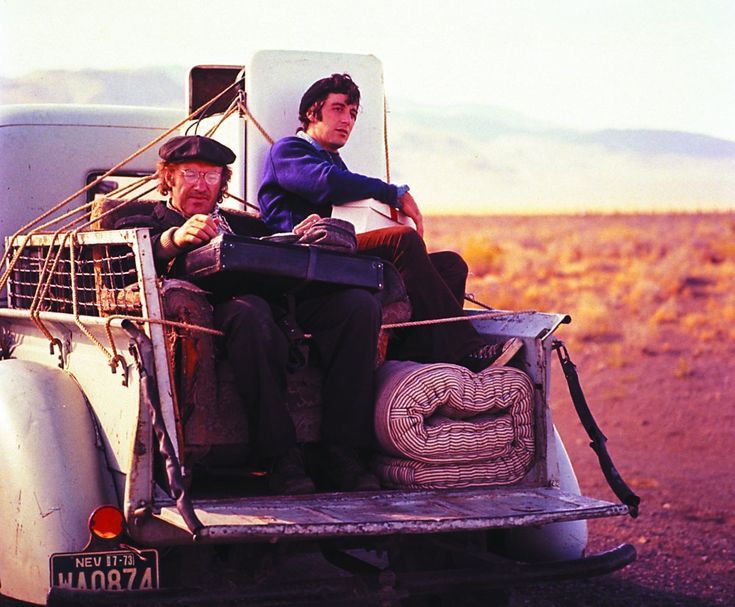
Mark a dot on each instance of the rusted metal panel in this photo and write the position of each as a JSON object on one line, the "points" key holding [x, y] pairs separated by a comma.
{"points": [[529, 324], [389, 512]]}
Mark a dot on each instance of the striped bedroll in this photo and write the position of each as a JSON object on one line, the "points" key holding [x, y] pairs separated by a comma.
{"points": [[440, 425]]}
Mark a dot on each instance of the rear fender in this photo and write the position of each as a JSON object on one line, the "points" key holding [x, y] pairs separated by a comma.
{"points": [[52, 474], [556, 541]]}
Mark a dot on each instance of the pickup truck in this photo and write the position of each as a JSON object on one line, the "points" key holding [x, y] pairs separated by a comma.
{"points": [[121, 476]]}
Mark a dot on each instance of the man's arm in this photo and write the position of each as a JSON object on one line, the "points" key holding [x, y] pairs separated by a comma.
{"points": [[196, 231], [411, 209], [299, 168]]}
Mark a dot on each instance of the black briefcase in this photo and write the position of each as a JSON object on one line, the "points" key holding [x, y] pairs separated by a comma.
{"points": [[229, 260]]}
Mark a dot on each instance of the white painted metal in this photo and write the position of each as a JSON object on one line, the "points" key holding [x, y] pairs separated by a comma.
{"points": [[47, 152], [52, 474], [88, 363], [230, 132], [115, 405], [556, 541], [274, 84], [152, 309]]}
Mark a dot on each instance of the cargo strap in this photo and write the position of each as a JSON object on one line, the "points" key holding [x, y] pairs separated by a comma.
{"points": [[142, 350], [614, 480]]}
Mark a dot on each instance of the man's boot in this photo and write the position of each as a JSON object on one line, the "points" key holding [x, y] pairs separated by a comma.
{"points": [[346, 471], [288, 476]]}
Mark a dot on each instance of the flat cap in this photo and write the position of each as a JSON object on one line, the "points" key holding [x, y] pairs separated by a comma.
{"points": [[195, 147]]}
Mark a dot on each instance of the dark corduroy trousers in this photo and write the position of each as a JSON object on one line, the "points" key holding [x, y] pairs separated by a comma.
{"points": [[435, 284], [344, 324]]}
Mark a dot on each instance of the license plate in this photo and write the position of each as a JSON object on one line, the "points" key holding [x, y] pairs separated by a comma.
{"points": [[110, 570]]}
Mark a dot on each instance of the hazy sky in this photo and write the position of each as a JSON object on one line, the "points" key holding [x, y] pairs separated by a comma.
{"points": [[666, 64]]}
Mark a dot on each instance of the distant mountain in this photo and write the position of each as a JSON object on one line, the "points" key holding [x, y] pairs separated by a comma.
{"points": [[656, 142], [473, 158], [157, 87], [481, 121], [485, 123]]}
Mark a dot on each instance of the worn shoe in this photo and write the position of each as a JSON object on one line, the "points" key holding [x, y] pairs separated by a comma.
{"points": [[346, 472], [492, 355], [288, 476]]}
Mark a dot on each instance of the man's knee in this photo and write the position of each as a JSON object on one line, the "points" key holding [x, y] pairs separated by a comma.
{"points": [[361, 305], [399, 238], [449, 263], [243, 312], [406, 237]]}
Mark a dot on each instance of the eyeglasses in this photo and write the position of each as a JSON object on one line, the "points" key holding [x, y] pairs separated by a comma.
{"points": [[210, 177]]}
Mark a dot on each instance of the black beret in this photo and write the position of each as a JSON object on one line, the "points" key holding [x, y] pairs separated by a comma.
{"points": [[336, 83], [196, 147]]}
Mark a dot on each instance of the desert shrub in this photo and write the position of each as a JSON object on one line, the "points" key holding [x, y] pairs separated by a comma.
{"points": [[666, 313], [617, 356], [683, 369], [482, 255], [593, 317], [722, 310]]}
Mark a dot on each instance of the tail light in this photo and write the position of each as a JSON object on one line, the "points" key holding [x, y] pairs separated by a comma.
{"points": [[107, 522]]}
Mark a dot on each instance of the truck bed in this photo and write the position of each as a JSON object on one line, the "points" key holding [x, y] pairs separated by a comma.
{"points": [[390, 512]]}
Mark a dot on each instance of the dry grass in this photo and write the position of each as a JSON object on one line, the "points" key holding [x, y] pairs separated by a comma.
{"points": [[623, 278]]}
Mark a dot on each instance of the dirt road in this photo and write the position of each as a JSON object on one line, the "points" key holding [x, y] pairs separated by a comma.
{"points": [[653, 308]]}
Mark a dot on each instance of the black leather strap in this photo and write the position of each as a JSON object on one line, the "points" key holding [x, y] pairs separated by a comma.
{"points": [[614, 480]]}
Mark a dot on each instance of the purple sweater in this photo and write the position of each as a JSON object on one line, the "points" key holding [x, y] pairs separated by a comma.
{"points": [[300, 179]]}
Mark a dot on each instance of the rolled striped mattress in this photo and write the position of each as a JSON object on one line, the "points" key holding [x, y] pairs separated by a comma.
{"points": [[440, 425]]}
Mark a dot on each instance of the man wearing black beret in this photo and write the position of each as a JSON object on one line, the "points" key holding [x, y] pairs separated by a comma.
{"points": [[344, 324], [304, 176]]}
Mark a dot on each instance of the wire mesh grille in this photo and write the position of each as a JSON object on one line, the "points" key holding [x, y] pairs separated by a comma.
{"points": [[105, 276]]}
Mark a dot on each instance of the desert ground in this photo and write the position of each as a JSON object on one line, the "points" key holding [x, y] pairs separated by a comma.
{"points": [[653, 338]]}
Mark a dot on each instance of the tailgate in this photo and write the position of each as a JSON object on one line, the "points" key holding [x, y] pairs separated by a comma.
{"points": [[342, 514]]}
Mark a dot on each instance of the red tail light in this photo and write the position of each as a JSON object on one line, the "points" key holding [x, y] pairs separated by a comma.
{"points": [[107, 522]]}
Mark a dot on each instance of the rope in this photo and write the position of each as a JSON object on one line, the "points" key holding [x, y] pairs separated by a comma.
{"points": [[132, 186], [471, 298], [385, 139], [44, 282], [46, 273], [114, 358], [245, 110], [216, 332], [168, 323], [92, 184], [75, 303], [438, 321], [229, 112]]}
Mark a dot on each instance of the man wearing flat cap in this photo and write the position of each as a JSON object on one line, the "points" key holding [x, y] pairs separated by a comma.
{"points": [[305, 176], [344, 324]]}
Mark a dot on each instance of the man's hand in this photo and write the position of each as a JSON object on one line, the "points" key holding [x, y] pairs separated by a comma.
{"points": [[411, 209], [302, 227], [197, 230]]}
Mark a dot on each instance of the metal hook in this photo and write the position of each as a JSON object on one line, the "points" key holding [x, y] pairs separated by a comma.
{"points": [[118, 359], [561, 351], [57, 342]]}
